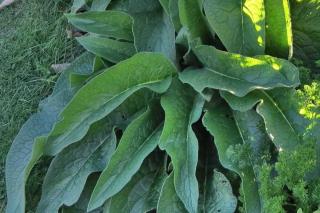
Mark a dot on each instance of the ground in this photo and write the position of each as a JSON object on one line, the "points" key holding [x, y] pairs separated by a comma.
{"points": [[32, 37]]}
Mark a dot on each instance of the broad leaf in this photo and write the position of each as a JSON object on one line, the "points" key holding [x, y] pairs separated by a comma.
{"points": [[278, 28], [28, 145], [238, 74], [100, 5], [152, 28], [191, 17], [112, 50], [215, 189], [253, 131], [107, 91], [142, 193], [219, 122], [66, 179], [240, 24], [182, 107], [81, 205], [169, 200], [305, 17], [218, 196], [172, 9], [138, 141], [282, 122], [114, 24]]}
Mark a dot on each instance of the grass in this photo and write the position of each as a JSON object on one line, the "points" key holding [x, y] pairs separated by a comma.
{"points": [[32, 37]]}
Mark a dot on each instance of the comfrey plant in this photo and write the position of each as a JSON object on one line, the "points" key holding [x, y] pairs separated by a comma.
{"points": [[179, 106]]}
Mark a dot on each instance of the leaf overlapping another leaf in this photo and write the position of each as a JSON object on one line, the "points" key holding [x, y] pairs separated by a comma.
{"points": [[220, 123], [101, 96], [128, 83], [239, 24], [139, 139], [238, 74], [182, 108], [113, 24], [28, 145], [70, 169], [281, 116]]}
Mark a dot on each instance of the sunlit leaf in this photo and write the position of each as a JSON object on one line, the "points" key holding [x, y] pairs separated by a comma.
{"points": [[240, 24], [238, 74], [278, 28]]}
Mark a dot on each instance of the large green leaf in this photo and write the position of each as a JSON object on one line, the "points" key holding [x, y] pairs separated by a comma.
{"points": [[107, 91], [305, 15], [220, 123], [172, 9], [152, 28], [191, 17], [218, 196], [81, 205], [112, 50], [240, 24], [27, 147], [279, 112], [215, 189], [138, 141], [278, 28], [114, 24], [252, 128], [238, 74], [182, 107], [100, 5], [142, 193], [169, 200], [70, 169]]}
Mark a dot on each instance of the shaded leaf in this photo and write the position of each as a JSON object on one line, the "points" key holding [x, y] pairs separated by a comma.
{"points": [[104, 93], [240, 25], [169, 200], [252, 128], [182, 108], [219, 122], [238, 74], [28, 145], [70, 169], [305, 15], [152, 28], [141, 194], [78, 4], [138, 141], [81, 205], [100, 5], [218, 196]]}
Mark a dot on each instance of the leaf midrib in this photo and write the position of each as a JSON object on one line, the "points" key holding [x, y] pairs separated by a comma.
{"points": [[64, 136]]}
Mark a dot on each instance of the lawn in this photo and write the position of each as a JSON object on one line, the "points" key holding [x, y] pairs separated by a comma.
{"points": [[32, 37]]}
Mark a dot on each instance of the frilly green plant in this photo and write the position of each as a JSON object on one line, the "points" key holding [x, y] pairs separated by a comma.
{"points": [[177, 106]]}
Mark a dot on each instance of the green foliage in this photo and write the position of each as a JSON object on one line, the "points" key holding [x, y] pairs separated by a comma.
{"points": [[32, 38], [139, 114]]}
